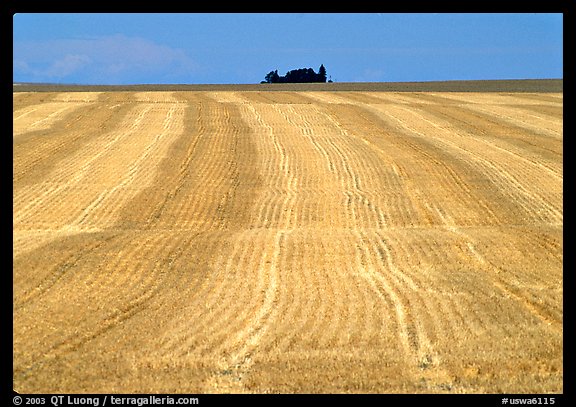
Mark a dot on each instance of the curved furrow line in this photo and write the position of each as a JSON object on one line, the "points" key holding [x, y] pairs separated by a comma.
{"points": [[388, 177], [511, 290], [434, 160], [542, 116], [403, 328], [539, 287], [37, 154], [534, 246], [234, 300], [201, 212], [77, 160], [188, 329], [381, 327], [294, 301], [429, 316], [294, 162], [373, 179], [366, 175], [121, 157], [249, 338], [494, 134], [72, 174], [439, 277], [239, 361], [138, 175], [433, 318], [310, 124], [316, 289], [24, 241], [350, 182], [397, 119], [22, 112], [530, 200], [72, 335], [172, 178], [500, 278], [140, 253], [245, 273], [231, 151], [245, 180], [216, 160], [341, 142], [350, 120], [462, 300], [49, 273], [421, 322], [340, 328], [274, 214], [554, 114], [362, 316], [42, 117], [271, 155], [312, 133], [433, 321]]}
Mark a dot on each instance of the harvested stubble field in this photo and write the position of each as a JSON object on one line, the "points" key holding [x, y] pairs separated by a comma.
{"points": [[297, 241]]}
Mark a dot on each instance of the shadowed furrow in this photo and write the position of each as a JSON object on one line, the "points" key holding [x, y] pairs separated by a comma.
{"points": [[232, 241]]}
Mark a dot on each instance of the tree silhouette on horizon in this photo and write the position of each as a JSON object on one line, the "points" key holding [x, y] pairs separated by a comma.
{"points": [[303, 75]]}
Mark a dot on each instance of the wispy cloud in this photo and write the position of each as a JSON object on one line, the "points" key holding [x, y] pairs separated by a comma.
{"points": [[110, 59], [370, 75]]}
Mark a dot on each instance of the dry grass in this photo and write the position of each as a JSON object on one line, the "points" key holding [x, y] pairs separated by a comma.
{"points": [[307, 242]]}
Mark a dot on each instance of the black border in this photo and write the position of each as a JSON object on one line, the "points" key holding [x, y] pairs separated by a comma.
{"points": [[488, 6]]}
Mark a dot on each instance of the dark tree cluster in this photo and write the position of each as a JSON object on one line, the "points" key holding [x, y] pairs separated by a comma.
{"points": [[304, 75]]}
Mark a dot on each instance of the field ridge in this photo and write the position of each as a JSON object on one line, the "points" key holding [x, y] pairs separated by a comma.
{"points": [[341, 238]]}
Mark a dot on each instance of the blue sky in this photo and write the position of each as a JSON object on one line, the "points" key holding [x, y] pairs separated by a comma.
{"points": [[243, 48]]}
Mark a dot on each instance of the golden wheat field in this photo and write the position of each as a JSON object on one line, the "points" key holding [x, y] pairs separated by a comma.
{"points": [[287, 242]]}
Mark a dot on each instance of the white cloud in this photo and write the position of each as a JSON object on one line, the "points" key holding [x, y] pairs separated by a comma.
{"points": [[110, 59], [67, 65]]}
